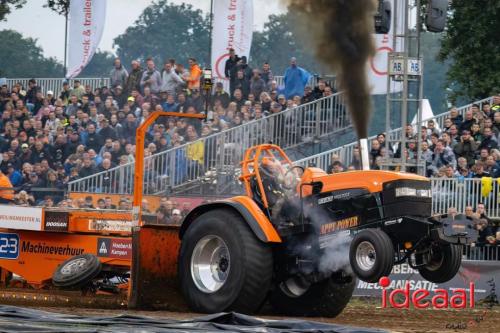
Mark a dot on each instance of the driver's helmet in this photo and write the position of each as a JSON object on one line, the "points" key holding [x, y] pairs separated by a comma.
{"points": [[273, 167]]}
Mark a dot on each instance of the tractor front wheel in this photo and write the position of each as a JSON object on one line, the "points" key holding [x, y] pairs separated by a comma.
{"points": [[222, 264], [371, 255], [444, 263]]}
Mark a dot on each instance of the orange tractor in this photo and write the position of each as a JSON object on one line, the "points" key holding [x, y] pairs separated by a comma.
{"points": [[298, 238]]}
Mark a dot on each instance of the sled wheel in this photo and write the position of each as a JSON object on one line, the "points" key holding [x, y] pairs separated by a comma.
{"points": [[77, 271], [222, 265]]}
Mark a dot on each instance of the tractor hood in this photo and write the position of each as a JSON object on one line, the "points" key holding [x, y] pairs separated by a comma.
{"points": [[371, 180]]}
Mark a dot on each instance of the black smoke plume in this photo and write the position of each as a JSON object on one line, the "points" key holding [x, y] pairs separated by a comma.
{"points": [[341, 31]]}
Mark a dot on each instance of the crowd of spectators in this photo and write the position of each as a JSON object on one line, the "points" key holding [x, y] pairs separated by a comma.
{"points": [[48, 140], [466, 147], [488, 228]]}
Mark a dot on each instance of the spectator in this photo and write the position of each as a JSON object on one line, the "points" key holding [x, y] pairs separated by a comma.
{"points": [[267, 75], [193, 81], [466, 147], [295, 79], [230, 63], [171, 81], [133, 81], [151, 78], [118, 75], [489, 141], [257, 84], [442, 156]]}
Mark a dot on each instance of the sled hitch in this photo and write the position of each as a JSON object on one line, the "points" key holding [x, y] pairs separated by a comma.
{"points": [[454, 230]]}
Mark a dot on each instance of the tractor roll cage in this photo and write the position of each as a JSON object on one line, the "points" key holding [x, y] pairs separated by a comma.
{"points": [[250, 167]]}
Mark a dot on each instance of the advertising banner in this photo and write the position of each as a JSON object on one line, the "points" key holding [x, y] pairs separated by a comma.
{"points": [[484, 275], [232, 28], [86, 25], [24, 218], [377, 69]]}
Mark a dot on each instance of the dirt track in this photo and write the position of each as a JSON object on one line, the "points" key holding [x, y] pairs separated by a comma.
{"points": [[360, 313]]}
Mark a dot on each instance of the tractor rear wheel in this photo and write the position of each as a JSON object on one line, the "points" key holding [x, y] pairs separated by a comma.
{"points": [[77, 271], [445, 261], [222, 264], [371, 255], [327, 298]]}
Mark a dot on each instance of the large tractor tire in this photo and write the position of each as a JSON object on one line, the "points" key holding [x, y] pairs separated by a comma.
{"points": [[371, 255], [444, 264], [77, 271], [222, 264], [327, 298]]}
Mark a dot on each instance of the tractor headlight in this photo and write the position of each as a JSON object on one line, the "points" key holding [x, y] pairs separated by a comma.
{"points": [[412, 192]]}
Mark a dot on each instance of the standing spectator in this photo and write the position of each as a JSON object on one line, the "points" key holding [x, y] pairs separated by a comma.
{"points": [[151, 77], [230, 63], [257, 84], [170, 79], [296, 79], [118, 75], [193, 81], [267, 75], [134, 78], [33, 90]]}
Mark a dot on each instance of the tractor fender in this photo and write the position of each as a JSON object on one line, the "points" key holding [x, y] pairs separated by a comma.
{"points": [[249, 211]]}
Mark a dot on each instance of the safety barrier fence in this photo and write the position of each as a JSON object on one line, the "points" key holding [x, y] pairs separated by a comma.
{"points": [[345, 152], [219, 154]]}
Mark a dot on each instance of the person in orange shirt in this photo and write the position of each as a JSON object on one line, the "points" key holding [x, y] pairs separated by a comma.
{"points": [[6, 195], [193, 81]]}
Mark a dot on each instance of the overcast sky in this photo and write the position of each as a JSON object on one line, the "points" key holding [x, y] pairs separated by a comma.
{"points": [[45, 25]]}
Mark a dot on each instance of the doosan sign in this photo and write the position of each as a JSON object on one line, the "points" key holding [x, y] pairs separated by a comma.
{"points": [[459, 298]]}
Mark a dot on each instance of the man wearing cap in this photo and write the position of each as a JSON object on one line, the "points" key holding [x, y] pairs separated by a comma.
{"points": [[119, 96], [15, 177], [134, 78], [221, 95], [50, 97], [118, 75]]}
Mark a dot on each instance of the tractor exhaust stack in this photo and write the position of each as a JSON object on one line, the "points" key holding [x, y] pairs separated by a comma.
{"points": [[365, 157]]}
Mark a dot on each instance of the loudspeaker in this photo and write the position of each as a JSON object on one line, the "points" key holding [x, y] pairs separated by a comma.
{"points": [[383, 17], [435, 18]]}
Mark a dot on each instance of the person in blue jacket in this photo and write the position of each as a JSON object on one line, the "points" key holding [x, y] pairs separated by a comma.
{"points": [[295, 79]]}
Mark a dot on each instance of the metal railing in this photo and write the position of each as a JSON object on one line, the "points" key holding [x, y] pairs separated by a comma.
{"points": [[56, 84], [345, 152], [460, 193], [481, 253], [216, 158]]}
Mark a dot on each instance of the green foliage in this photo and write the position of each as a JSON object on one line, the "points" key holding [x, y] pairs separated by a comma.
{"points": [[472, 41], [434, 71], [165, 30], [99, 66], [21, 57], [280, 40], [61, 7], [6, 7]]}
